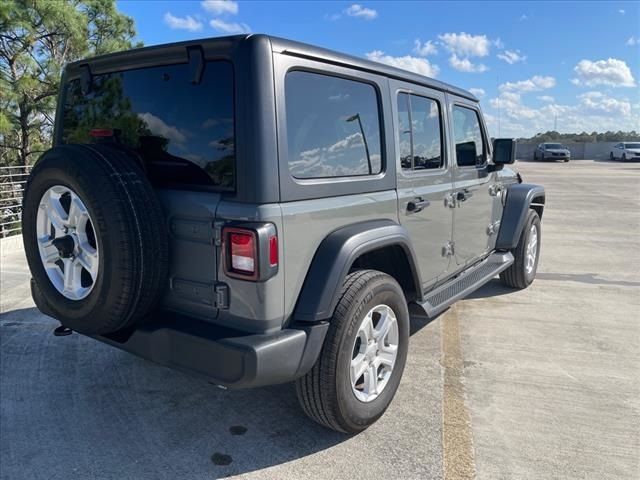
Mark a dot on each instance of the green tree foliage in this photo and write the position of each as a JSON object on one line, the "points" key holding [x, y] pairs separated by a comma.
{"points": [[37, 38], [584, 137]]}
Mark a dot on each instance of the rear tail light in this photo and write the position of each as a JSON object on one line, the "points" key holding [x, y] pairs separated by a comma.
{"points": [[243, 252], [250, 251]]}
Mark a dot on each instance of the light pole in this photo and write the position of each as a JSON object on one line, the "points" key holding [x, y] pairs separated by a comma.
{"points": [[364, 139]]}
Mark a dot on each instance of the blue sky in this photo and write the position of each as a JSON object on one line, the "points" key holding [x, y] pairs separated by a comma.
{"points": [[532, 64]]}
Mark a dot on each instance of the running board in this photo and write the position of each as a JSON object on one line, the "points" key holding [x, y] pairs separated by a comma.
{"points": [[466, 282]]}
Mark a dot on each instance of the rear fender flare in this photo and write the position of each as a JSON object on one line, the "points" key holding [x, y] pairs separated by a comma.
{"points": [[335, 256]]}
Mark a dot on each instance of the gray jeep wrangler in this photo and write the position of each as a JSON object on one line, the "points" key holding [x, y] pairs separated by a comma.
{"points": [[257, 211]]}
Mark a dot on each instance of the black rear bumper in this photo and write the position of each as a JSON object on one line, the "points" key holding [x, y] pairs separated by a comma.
{"points": [[224, 356]]}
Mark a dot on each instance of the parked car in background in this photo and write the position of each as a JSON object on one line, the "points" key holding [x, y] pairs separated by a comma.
{"points": [[551, 151], [625, 151]]}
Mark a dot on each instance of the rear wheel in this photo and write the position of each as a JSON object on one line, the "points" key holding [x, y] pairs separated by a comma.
{"points": [[360, 366], [94, 237], [526, 254]]}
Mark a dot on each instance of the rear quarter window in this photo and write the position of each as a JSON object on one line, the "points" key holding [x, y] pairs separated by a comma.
{"points": [[333, 126], [184, 132]]}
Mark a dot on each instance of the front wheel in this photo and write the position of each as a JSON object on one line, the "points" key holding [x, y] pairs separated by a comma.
{"points": [[523, 270], [360, 366], [624, 157]]}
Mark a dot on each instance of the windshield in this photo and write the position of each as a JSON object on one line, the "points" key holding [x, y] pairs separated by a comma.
{"points": [[632, 145], [183, 131], [553, 146]]}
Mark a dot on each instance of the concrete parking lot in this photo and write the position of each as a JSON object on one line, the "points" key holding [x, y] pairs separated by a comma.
{"points": [[537, 384]]}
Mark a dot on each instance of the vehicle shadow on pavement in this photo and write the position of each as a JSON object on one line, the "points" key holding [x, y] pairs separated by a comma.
{"points": [[117, 416], [493, 288], [99, 404]]}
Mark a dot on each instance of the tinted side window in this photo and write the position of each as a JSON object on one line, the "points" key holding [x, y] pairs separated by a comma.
{"points": [[470, 148], [420, 130], [184, 132], [333, 126]]}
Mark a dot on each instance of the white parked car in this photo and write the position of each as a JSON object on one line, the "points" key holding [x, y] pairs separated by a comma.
{"points": [[625, 151]]}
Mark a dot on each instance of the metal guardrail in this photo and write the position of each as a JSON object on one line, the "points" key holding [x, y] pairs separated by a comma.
{"points": [[12, 183]]}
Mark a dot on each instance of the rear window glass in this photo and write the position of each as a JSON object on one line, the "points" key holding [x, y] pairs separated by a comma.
{"points": [[184, 132], [333, 126]]}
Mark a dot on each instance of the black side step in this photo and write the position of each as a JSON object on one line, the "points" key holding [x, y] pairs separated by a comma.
{"points": [[466, 282]]}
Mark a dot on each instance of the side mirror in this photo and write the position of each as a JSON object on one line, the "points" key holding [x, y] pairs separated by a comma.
{"points": [[504, 151]]}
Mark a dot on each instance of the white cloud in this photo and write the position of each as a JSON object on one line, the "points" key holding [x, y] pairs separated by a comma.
{"points": [[465, 65], [229, 27], [424, 49], [357, 10], [593, 111], [512, 56], [534, 83], [621, 11], [523, 17], [413, 64], [478, 92], [182, 23], [611, 72], [160, 128], [464, 44], [498, 43], [546, 98], [219, 7], [633, 41], [598, 102]]}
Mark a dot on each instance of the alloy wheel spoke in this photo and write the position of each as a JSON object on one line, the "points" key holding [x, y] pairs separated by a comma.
{"points": [[77, 212], [89, 261], [56, 214], [371, 380], [50, 253], [69, 275], [387, 357], [358, 367]]}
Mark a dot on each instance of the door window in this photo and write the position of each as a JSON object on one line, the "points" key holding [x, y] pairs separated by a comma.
{"points": [[420, 132], [470, 147]]}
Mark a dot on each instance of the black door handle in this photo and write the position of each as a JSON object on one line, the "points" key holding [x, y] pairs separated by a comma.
{"points": [[463, 195], [416, 205]]}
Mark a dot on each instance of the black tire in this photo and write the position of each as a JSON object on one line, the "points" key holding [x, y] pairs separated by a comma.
{"points": [[623, 158], [535, 157], [611, 157], [129, 229], [325, 392], [516, 276], [566, 160], [542, 159]]}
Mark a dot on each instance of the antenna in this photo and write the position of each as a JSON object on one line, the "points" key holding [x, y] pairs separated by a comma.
{"points": [[498, 98]]}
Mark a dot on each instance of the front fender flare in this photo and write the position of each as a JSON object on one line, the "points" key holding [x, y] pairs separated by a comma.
{"points": [[335, 256], [519, 198]]}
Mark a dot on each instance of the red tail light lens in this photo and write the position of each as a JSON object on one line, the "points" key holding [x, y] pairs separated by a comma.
{"points": [[242, 247], [273, 251]]}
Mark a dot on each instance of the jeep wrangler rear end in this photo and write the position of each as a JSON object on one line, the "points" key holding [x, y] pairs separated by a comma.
{"points": [[257, 211]]}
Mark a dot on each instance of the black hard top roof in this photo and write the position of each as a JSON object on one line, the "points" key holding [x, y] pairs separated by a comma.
{"points": [[287, 47]]}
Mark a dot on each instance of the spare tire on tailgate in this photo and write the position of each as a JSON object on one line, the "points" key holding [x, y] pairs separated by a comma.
{"points": [[95, 238]]}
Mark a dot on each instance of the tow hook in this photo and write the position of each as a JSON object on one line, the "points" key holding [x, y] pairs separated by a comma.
{"points": [[62, 331]]}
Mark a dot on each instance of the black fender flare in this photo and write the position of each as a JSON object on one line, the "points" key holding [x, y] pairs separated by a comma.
{"points": [[335, 256], [519, 199]]}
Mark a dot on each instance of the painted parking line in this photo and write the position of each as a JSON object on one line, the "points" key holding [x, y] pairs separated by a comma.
{"points": [[457, 436]]}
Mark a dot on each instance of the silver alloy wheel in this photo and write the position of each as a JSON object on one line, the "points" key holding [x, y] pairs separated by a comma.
{"points": [[532, 250], [67, 242], [374, 353]]}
